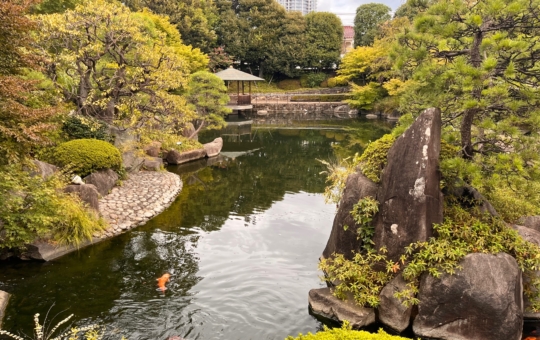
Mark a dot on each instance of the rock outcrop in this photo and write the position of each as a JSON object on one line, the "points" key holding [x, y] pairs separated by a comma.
{"points": [[326, 305], [392, 312], [4, 297], [131, 161], [88, 193], [213, 148], [483, 301], [344, 240], [45, 170], [175, 157], [103, 180], [410, 198]]}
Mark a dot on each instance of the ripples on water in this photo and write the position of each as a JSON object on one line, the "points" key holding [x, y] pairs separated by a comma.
{"points": [[242, 242]]}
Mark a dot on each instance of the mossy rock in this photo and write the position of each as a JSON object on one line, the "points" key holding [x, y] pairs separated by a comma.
{"points": [[85, 156], [374, 158]]}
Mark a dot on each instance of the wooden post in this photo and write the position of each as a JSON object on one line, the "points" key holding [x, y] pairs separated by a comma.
{"points": [[238, 92]]}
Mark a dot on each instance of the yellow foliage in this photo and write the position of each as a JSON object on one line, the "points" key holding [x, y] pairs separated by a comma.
{"points": [[364, 60]]}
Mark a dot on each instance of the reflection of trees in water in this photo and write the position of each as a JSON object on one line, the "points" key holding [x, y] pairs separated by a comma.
{"points": [[285, 161]]}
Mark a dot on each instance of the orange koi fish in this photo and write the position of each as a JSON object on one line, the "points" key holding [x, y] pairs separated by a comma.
{"points": [[162, 281]]}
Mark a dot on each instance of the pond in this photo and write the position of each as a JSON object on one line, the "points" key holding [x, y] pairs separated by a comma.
{"points": [[241, 241]]}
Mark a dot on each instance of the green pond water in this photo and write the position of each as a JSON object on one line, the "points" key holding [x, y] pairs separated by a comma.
{"points": [[242, 241]]}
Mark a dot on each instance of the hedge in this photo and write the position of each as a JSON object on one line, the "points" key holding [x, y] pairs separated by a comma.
{"points": [[345, 333]]}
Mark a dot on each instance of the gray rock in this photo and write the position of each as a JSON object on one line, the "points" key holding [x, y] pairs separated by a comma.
{"points": [[371, 116], [103, 180], [124, 138], [175, 157], [214, 148], [88, 193], [153, 164], [45, 170], [131, 161], [392, 312], [4, 297], [409, 195], [189, 130], [324, 304], [153, 149], [77, 180], [342, 109], [483, 301], [532, 222], [343, 241]]}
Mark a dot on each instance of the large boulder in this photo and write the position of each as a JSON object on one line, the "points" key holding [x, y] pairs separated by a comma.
{"points": [[326, 305], [189, 130], [391, 311], [175, 157], [4, 297], [345, 240], [88, 193], [131, 161], [214, 148], [45, 170], [532, 222], [103, 180], [153, 163], [409, 195], [483, 301]]}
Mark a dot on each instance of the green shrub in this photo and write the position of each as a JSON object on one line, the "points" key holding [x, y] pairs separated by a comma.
{"points": [[77, 127], [33, 208], [289, 84], [346, 333], [374, 158], [312, 79], [320, 97], [84, 156]]}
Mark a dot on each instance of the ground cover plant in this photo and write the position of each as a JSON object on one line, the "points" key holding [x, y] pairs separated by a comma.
{"points": [[346, 333]]}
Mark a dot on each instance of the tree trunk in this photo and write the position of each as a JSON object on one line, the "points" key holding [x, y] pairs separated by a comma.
{"points": [[197, 130], [469, 114], [261, 70]]}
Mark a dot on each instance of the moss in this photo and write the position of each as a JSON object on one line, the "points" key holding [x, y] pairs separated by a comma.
{"points": [[345, 333], [374, 158], [84, 156]]}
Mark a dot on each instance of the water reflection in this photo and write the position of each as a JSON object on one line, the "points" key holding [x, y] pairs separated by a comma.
{"points": [[242, 242]]}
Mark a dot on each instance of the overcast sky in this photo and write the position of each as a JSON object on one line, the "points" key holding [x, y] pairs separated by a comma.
{"points": [[346, 9]]}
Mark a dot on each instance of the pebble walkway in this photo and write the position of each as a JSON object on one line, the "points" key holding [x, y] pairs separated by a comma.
{"points": [[142, 196]]}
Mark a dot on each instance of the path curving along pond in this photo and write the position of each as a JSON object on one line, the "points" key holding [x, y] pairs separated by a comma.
{"points": [[242, 242]]}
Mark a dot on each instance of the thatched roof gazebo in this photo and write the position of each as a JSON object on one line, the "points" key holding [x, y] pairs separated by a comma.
{"points": [[240, 101]]}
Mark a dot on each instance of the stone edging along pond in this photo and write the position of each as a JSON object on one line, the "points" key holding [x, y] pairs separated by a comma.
{"points": [[142, 196]]}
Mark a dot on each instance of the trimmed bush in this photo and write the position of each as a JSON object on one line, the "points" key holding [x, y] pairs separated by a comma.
{"points": [[84, 156], [321, 97], [312, 79], [345, 333], [335, 81], [289, 84]]}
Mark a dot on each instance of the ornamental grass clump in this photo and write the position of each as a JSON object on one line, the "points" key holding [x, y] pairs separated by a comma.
{"points": [[42, 332], [84, 156], [34, 208]]}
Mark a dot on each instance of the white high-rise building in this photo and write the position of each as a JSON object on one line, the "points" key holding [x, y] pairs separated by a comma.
{"points": [[304, 6]]}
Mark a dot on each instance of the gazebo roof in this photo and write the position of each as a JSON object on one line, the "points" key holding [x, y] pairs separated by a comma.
{"points": [[233, 74]]}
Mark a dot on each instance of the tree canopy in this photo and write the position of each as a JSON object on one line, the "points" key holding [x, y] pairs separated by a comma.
{"points": [[324, 35], [195, 19], [119, 66], [366, 22]]}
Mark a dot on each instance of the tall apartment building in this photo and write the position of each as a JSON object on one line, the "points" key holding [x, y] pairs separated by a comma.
{"points": [[304, 6]]}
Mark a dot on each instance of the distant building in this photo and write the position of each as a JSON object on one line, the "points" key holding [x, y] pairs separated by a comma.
{"points": [[304, 6], [348, 39]]}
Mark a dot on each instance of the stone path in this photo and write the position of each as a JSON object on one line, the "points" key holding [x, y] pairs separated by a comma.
{"points": [[142, 196]]}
